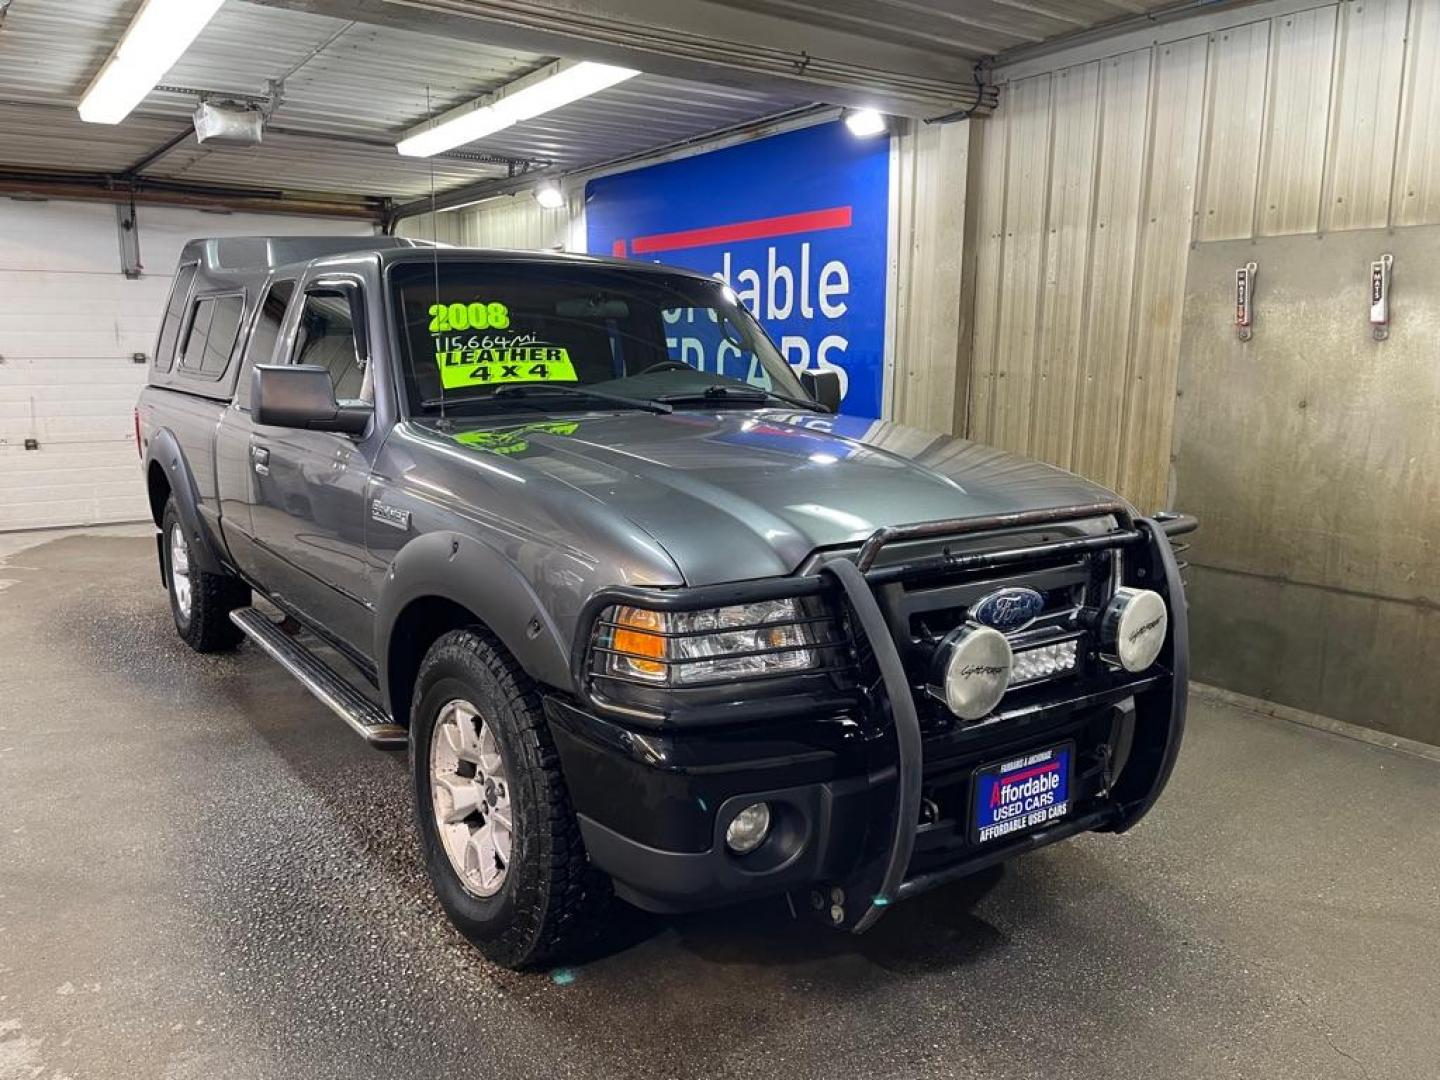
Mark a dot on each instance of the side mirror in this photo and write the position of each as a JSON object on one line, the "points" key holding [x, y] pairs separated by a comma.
{"points": [[301, 396], [823, 386]]}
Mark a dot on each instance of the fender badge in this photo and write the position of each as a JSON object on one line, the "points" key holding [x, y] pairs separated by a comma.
{"points": [[390, 515]]}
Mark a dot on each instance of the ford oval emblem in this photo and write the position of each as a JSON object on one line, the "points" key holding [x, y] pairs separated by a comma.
{"points": [[1008, 610]]}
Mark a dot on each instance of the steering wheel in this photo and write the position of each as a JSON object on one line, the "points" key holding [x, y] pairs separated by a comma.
{"points": [[665, 365]]}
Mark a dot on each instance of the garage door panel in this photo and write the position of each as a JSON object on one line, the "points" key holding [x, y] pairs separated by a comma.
{"points": [[118, 344], [59, 481], [79, 315], [92, 389], [59, 407], [59, 237], [81, 508], [50, 433], [70, 484], [70, 322], [102, 287], [70, 372], [77, 459]]}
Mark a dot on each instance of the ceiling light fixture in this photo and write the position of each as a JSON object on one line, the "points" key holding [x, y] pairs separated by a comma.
{"points": [[157, 37], [553, 86], [549, 196], [863, 123]]}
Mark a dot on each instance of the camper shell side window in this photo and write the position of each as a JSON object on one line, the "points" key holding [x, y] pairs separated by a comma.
{"points": [[207, 346], [175, 309]]}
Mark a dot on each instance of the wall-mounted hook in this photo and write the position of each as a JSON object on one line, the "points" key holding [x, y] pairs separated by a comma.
{"points": [[1380, 296], [1244, 297]]}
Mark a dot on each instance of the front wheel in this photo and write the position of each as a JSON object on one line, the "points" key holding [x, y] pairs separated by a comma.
{"points": [[200, 602], [501, 843]]}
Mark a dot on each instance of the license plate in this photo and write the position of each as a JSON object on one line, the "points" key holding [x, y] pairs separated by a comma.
{"points": [[1021, 793]]}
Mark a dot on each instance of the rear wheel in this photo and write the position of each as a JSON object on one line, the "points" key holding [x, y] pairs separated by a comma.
{"points": [[501, 843], [200, 602]]}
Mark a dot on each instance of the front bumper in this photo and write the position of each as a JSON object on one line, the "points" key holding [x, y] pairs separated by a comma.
{"points": [[861, 804]]}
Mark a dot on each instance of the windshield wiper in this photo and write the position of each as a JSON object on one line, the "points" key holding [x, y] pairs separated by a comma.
{"points": [[536, 392], [737, 394]]}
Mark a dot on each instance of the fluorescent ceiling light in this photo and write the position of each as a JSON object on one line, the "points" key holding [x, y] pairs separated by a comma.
{"points": [[550, 88], [157, 37], [549, 196], [864, 122]]}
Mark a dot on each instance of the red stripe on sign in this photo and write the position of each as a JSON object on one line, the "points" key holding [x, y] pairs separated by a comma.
{"points": [[837, 217], [1026, 774], [618, 249]]}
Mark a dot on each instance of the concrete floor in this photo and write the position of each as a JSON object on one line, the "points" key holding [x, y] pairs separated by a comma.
{"points": [[203, 874]]}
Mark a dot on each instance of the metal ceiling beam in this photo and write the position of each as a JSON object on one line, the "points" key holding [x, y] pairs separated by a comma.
{"points": [[698, 40], [1133, 31], [481, 190], [101, 187]]}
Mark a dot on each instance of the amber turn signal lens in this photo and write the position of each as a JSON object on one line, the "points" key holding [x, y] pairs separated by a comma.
{"points": [[635, 637]]}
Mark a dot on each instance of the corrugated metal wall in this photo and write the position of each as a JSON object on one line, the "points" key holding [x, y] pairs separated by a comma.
{"points": [[930, 327], [1096, 178], [515, 221]]}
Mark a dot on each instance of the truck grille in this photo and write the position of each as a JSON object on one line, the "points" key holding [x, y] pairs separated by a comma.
{"points": [[1052, 645]]}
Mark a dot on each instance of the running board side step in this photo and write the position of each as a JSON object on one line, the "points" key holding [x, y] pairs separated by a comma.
{"points": [[364, 716]]}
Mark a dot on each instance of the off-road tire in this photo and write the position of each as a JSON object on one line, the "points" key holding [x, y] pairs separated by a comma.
{"points": [[207, 628], [549, 901]]}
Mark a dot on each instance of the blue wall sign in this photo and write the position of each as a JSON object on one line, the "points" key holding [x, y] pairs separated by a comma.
{"points": [[795, 224]]}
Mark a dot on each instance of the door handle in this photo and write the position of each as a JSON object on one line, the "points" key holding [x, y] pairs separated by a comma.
{"points": [[261, 458]]}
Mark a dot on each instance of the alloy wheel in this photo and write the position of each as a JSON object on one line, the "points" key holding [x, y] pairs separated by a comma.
{"points": [[180, 571], [470, 793]]}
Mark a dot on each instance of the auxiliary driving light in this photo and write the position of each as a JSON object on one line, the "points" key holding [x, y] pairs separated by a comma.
{"points": [[1132, 628], [748, 829], [973, 670]]}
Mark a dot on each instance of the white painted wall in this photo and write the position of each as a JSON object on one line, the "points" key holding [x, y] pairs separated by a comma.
{"points": [[69, 322]]}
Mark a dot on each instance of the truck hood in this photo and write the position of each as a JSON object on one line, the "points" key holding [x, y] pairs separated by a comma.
{"points": [[734, 495]]}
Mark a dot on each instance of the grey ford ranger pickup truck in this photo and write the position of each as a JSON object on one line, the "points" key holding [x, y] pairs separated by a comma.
{"points": [[650, 618]]}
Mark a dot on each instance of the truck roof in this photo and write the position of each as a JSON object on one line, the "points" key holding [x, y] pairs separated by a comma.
{"points": [[238, 259], [264, 253]]}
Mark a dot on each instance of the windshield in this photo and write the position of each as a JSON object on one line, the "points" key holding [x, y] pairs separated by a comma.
{"points": [[470, 329]]}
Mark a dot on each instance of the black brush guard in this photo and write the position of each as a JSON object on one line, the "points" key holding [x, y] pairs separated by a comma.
{"points": [[883, 877], [857, 580]]}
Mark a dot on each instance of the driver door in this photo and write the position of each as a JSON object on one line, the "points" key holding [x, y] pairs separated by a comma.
{"points": [[308, 513]]}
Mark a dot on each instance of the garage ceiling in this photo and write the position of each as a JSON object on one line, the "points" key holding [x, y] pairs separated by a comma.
{"points": [[349, 90], [963, 28], [357, 73]]}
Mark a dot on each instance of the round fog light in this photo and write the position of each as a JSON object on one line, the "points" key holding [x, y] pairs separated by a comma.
{"points": [[748, 829], [1133, 628], [975, 670]]}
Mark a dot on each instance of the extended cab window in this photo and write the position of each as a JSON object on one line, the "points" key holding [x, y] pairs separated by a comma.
{"points": [[261, 347], [327, 336], [210, 339], [174, 314]]}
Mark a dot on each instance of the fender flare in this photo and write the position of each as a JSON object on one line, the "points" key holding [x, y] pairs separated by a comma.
{"points": [[476, 576], [165, 451]]}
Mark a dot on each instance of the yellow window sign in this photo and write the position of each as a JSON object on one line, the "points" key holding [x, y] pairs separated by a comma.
{"points": [[511, 364], [479, 315]]}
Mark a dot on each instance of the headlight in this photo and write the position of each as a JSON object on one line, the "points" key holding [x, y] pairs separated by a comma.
{"points": [[682, 648]]}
